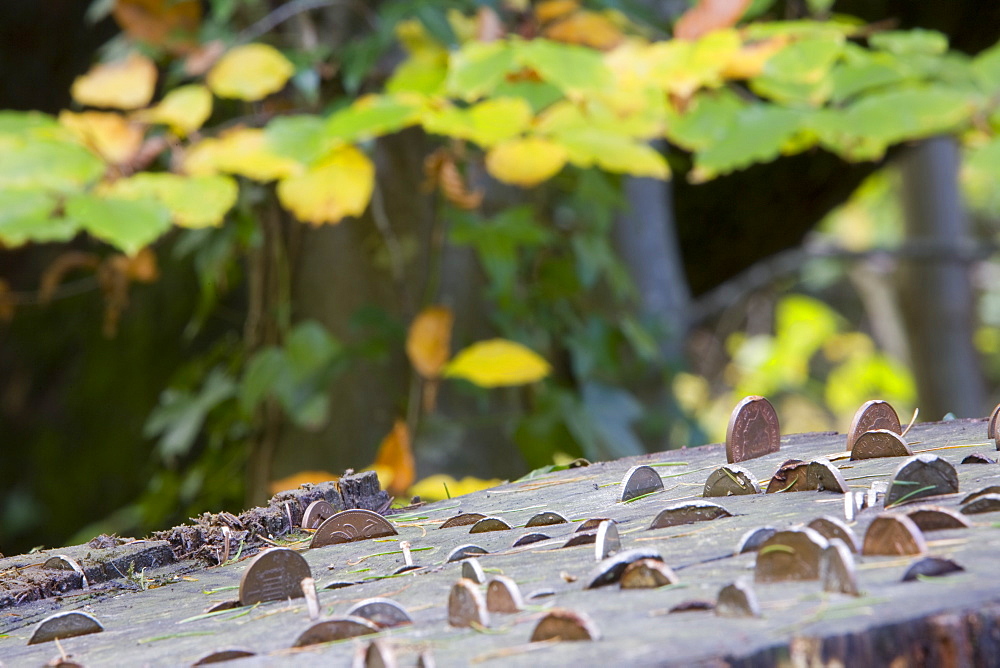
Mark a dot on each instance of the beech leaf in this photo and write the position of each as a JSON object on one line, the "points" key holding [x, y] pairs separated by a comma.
{"points": [[428, 343], [250, 72], [124, 84], [243, 151], [526, 162], [340, 185], [395, 463], [184, 109], [497, 363], [107, 134]]}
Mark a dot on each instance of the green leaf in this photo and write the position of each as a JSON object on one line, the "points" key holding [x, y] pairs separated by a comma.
{"points": [[486, 123], [30, 163], [180, 415], [864, 73], [706, 120], [309, 347], [298, 137], [418, 75], [265, 373], [193, 201], [435, 21], [478, 68], [807, 60], [986, 67], [757, 135], [128, 224], [369, 117], [613, 152], [26, 215], [910, 42], [32, 123], [571, 68], [539, 94]]}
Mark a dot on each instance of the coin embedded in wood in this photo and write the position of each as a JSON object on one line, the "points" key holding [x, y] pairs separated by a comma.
{"points": [[581, 538], [223, 605], [640, 480], [473, 570], [561, 624], [893, 534], [991, 425], [273, 575], [754, 538], [65, 625], [831, 527], [730, 480], [935, 518], [338, 628], [378, 654], [351, 525], [529, 538], [688, 513], [992, 489], [339, 584], [920, 476], [647, 574], [464, 552], [870, 416], [223, 655], [489, 524], [737, 600], [63, 563], [546, 518], [426, 660], [383, 612], [503, 595], [753, 430], [839, 572], [931, 567], [461, 520], [591, 524], [978, 458], [791, 476], [823, 476], [316, 512], [693, 605], [610, 570], [607, 540], [983, 503], [793, 554], [880, 443], [466, 605]]}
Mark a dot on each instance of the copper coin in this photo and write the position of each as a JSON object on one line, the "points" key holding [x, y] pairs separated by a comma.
{"points": [[561, 624], [316, 512], [351, 525], [920, 476], [466, 605], [384, 612], [688, 513], [991, 426], [831, 527], [879, 443], [933, 518], [546, 518], [891, 534], [737, 600], [461, 520], [875, 414], [647, 574], [223, 655], [793, 554], [503, 595], [489, 524], [273, 575], [335, 629], [753, 430]]}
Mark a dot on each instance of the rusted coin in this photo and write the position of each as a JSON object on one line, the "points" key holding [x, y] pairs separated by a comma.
{"points": [[464, 552], [503, 595], [338, 628], [991, 425], [273, 575], [831, 527], [754, 538], [753, 430], [378, 654], [466, 605], [610, 570], [581, 538], [640, 480], [647, 574], [931, 567], [545, 519], [793, 554], [383, 612], [591, 524], [921, 476], [737, 600], [607, 541], [935, 518], [529, 538], [791, 476], [473, 570], [489, 524], [875, 414], [561, 624], [983, 503], [880, 443], [688, 513], [65, 625], [730, 480], [978, 458], [316, 512], [992, 489], [223, 655], [839, 573], [892, 534], [464, 519], [351, 525]]}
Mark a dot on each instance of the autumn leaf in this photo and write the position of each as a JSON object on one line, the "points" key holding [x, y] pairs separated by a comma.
{"points": [[184, 109], [440, 486], [526, 162], [193, 201], [340, 185], [242, 151], [586, 28], [394, 463], [549, 10], [172, 24], [301, 478], [250, 72], [750, 60], [428, 343], [709, 15], [124, 84], [496, 363], [107, 134]]}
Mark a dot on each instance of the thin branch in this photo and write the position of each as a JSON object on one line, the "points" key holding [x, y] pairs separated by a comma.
{"points": [[294, 8]]}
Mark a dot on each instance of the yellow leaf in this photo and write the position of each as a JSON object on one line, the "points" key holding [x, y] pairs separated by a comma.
{"points": [[107, 134], [125, 84], [172, 24], [587, 28], [432, 488], [498, 362], [242, 151], [750, 60], [184, 109], [193, 201], [301, 478], [339, 185], [395, 460], [526, 162], [549, 10], [613, 152], [250, 72], [428, 343]]}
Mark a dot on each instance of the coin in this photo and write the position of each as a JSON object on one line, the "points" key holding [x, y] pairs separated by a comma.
{"points": [[65, 625], [891, 534], [384, 612], [839, 573], [610, 570], [607, 540], [920, 476], [931, 567], [647, 574], [466, 605], [991, 426], [831, 527], [560, 624], [461, 520], [473, 570], [737, 600], [730, 480], [640, 480], [880, 443], [688, 513], [489, 524], [793, 554], [546, 518], [316, 512], [338, 628], [464, 552], [933, 518], [503, 595], [529, 538], [274, 575], [875, 414], [753, 430], [351, 525], [222, 655]]}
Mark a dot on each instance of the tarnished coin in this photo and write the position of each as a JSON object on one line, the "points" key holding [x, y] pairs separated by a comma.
{"points": [[991, 425], [466, 605], [338, 628], [473, 570], [489, 524], [461, 520], [978, 458], [935, 518], [503, 595], [823, 476], [607, 540], [931, 567], [839, 573], [791, 476], [351, 525], [223, 605], [640, 480], [273, 575], [983, 503], [880, 443], [223, 655], [546, 518], [754, 538], [561, 624], [647, 574], [692, 605], [378, 654], [426, 660], [831, 527], [921, 476], [464, 552], [793, 554], [591, 524], [892, 534], [737, 600], [688, 513], [383, 612], [753, 430], [529, 538], [339, 584], [991, 489], [610, 570], [64, 563], [730, 480], [316, 512], [65, 625], [872, 415], [581, 538]]}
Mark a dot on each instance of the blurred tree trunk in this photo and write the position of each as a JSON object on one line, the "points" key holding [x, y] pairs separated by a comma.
{"points": [[935, 290]]}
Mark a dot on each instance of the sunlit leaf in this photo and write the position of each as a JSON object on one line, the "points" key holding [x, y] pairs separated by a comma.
{"points": [[338, 186], [440, 486], [184, 109], [496, 363], [419, 75], [709, 15], [526, 162], [807, 60], [242, 151], [394, 462], [706, 119], [757, 135], [751, 59], [123, 84], [585, 28], [681, 67], [126, 224], [479, 67], [250, 72], [27, 215], [62, 166], [193, 201], [372, 116], [109, 135], [428, 343], [549, 10], [172, 24], [589, 146], [486, 123], [573, 69], [296, 480], [910, 42]]}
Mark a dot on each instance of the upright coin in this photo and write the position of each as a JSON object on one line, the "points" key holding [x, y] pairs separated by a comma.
{"points": [[991, 426], [875, 414], [640, 480], [351, 525], [65, 625], [316, 512], [753, 430], [879, 443], [273, 575]]}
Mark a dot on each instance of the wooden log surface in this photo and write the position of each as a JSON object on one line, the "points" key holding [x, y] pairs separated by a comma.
{"points": [[953, 619]]}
